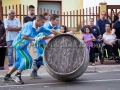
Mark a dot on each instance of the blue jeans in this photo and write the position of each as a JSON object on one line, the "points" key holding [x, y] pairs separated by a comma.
{"points": [[96, 55], [10, 53]]}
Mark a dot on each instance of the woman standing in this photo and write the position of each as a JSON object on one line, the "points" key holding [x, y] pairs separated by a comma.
{"points": [[2, 44]]}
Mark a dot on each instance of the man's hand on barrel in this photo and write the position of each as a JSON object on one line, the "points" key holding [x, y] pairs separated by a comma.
{"points": [[55, 32], [39, 38], [47, 37]]}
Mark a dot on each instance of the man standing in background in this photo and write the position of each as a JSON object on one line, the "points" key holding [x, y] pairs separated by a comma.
{"points": [[101, 22], [2, 44], [31, 16], [12, 27], [116, 27]]}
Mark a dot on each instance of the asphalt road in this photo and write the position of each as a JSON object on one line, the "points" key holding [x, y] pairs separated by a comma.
{"points": [[88, 81]]}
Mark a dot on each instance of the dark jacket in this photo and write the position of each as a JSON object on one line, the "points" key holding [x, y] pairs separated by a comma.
{"points": [[2, 32]]}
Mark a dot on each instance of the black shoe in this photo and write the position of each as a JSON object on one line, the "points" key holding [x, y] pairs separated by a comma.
{"points": [[1, 68], [17, 79], [110, 58], [7, 78], [96, 59], [35, 75], [117, 58]]}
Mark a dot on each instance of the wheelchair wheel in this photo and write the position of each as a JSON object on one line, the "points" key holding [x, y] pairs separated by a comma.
{"points": [[101, 55], [102, 59]]}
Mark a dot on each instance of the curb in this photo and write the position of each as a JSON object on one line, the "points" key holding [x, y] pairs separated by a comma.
{"points": [[103, 68], [90, 69]]}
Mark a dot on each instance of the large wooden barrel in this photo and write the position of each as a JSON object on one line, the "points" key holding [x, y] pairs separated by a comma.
{"points": [[66, 57]]}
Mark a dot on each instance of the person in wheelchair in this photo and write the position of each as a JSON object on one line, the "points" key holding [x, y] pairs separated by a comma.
{"points": [[110, 40]]}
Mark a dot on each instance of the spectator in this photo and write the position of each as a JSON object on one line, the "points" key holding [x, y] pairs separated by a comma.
{"points": [[88, 38], [46, 15], [2, 43], [12, 26], [113, 17], [63, 29], [110, 43], [96, 33], [116, 26], [31, 16], [101, 22], [95, 30]]}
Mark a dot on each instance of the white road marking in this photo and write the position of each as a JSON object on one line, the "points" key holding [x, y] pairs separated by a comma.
{"points": [[1, 76], [106, 80], [24, 75], [24, 85]]}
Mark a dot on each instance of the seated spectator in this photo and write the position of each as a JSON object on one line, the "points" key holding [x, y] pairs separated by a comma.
{"points": [[110, 42]]}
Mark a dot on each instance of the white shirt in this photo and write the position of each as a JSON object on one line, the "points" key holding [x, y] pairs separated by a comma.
{"points": [[10, 35], [35, 27], [51, 25], [109, 38]]}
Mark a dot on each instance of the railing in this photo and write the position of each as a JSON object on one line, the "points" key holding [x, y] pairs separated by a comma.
{"points": [[76, 18]]}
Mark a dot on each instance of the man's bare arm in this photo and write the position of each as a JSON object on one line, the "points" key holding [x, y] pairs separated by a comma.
{"points": [[28, 38], [46, 37], [55, 32]]}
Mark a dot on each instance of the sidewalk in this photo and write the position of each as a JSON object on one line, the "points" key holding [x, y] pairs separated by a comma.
{"points": [[108, 67]]}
